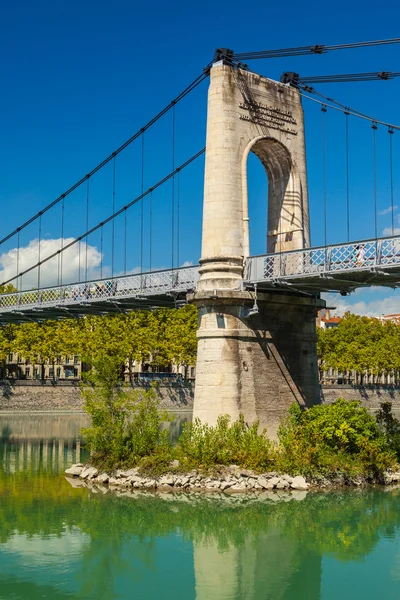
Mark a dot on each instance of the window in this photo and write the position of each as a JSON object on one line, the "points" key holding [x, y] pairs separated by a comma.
{"points": [[58, 372], [67, 360], [36, 372], [51, 372], [27, 372], [192, 371], [10, 358], [76, 359]]}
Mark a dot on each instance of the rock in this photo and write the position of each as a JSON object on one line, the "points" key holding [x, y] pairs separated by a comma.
{"points": [[103, 478], [283, 484], [225, 485], [166, 480], [88, 473], [131, 472], [135, 478], [299, 483], [165, 488], [275, 480], [266, 483], [174, 464], [150, 484], [287, 478], [75, 470], [113, 481], [246, 473], [184, 481], [239, 486]]}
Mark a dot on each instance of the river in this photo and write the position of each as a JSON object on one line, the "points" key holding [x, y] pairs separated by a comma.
{"points": [[63, 542]]}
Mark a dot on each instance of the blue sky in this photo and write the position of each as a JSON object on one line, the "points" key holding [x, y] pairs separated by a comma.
{"points": [[79, 77]]}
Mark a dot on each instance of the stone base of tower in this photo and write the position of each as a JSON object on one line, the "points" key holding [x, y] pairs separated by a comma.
{"points": [[259, 364]]}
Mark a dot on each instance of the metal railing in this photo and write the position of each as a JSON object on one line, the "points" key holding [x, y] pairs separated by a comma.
{"points": [[362, 255], [155, 283]]}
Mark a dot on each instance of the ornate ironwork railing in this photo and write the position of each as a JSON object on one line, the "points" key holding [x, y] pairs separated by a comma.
{"points": [[364, 255], [155, 283]]}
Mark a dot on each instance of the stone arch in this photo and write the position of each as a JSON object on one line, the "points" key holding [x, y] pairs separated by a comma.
{"points": [[285, 223]]}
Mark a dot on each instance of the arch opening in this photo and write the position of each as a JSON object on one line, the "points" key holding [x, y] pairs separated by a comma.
{"points": [[282, 226]]}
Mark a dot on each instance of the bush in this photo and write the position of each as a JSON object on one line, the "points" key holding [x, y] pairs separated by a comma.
{"points": [[390, 426], [340, 438], [126, 424], [202, 445]]}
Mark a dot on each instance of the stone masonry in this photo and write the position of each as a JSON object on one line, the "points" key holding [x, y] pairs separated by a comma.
{"points": [[255, 365]]}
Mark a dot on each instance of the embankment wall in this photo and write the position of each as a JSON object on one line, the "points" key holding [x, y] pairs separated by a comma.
{"points": [[31, 396]]}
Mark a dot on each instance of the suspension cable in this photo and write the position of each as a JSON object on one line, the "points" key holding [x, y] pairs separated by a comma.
{"points": [[323, 111], [18, 240], [342, 108], [125, 217], [374, 128], [151, 231], [390, 132], [173, 191], [204, 75], [178, 220], [113, 222], [142, 208], [40, 240], [116, 214], [101, 252], [87, 226], [304, 50], [347, 178], [62, 240]]}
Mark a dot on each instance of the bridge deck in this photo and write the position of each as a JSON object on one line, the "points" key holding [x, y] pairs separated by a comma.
{"points": [[339, 268], [118, 294]]}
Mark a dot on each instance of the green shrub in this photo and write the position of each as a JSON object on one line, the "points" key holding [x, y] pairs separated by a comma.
{"points": [[390, 426], [202, 445], [340, 438], [126, 424]]}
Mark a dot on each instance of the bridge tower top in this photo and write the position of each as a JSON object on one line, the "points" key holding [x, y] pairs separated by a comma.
{"points": [[250, 113]]}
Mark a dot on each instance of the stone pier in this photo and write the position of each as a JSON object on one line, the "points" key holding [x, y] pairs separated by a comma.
{"points": [[256, 362]]}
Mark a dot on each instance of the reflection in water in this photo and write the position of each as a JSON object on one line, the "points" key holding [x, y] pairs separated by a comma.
{"points": [[60, 542]]}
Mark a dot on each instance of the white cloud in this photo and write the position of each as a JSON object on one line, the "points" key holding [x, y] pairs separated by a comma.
{"points": [[389, 231], [372, 308], [388, 210], [49, 271]]}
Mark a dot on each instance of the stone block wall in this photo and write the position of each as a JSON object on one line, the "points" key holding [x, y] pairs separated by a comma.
{"points": [[33, 396], [370, 396]]}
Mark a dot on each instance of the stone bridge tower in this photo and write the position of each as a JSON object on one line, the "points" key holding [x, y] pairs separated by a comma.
{"points": [[259, 364]]}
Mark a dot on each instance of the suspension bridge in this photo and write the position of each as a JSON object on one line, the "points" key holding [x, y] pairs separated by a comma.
{"points": [[257, 312]]}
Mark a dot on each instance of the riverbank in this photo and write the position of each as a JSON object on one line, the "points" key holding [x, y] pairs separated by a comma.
{"points": [[18, 396], [228, 480], [65, 396]]}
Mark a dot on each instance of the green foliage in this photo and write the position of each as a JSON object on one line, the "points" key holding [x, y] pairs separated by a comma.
{"points": [[360, 344], [202, 445], [390, 426], [126, 424], [341, 438]]}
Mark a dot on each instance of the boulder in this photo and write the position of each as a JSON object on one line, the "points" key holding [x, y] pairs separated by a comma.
{"points": [[88, 473], [103, 478], [174, 464], [275, 480], [74, 471], [266, 483], [166, 480], [299, 483]]}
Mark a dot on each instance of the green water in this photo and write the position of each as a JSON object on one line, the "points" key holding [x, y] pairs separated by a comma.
{"points": [[61, 542]]}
